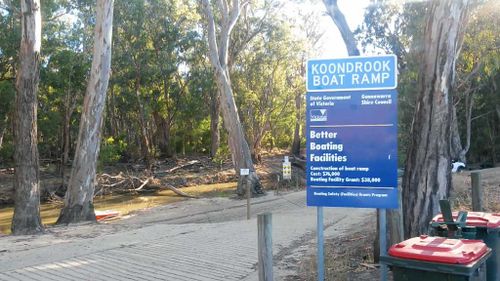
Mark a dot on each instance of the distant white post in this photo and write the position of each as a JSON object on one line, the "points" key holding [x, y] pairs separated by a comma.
{"points": [[244, 173]]}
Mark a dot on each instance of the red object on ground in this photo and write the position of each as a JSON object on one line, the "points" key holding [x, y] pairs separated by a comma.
{"points": [[477, 219], [439, 249], [107, 214]]}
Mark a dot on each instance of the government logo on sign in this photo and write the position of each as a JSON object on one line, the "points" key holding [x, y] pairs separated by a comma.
{"points": [[317, 115]]}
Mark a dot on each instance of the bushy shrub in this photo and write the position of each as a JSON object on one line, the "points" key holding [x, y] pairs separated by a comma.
{"points": [[7, 153], [222, 155], [111, 151]]}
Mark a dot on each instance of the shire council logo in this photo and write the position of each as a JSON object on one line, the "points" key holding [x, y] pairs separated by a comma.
{"points": [[317, 115]]}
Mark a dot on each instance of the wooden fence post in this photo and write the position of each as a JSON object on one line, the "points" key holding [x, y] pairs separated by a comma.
{"points": [[264, 228], [249, 194], [477, 192]]}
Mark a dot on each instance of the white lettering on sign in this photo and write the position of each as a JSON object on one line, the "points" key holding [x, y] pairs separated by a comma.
{"points": [[323, 135], [352, 74], [324, 151], [327, 157], [350, 67], [327, 146]]}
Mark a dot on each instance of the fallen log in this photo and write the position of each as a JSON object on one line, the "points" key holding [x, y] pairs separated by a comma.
{"points": [[178, 192], [188, 164], [128, 183], [144, 184], [114, 184], [153, 184]]}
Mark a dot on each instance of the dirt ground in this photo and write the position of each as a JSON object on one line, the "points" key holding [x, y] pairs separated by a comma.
{"points": [[348, 255], [461, 196]]}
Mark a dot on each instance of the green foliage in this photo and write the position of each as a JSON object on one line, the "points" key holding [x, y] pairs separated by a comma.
{"points": [[7, 153], [112, 151], [265, 78], [6, 98], [222, 155]]}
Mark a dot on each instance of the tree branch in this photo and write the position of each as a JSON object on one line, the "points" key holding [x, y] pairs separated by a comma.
{"points": [[223, 7], [341, 23], [212, 42]]}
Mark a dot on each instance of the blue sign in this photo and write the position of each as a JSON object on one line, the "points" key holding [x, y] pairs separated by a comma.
{"points": [[352, 149], [352, 74]]}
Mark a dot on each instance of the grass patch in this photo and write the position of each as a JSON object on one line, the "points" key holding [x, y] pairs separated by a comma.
{"points": [[347, 257]]}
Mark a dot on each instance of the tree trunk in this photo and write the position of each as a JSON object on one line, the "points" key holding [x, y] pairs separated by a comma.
{"points": [[298, 121], [78, 203], [162, 134], [339, 20], [214, 123], [3, 129], [167, 125], [218, 54], [146, 147], [427, 177], [257, 143], [394, 219], [456, 142], [459, 152], [26, 218], [112, 112], [69, 107]]}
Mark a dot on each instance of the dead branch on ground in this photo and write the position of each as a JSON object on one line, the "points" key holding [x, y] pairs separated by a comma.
{"points": [[122, 183]]}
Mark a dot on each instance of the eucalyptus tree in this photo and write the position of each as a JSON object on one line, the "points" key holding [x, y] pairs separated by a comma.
{"points": [[171, 27], [134, 55], [6, 98], [26, 218], [254, 20], [476, 67], [262, 74], [396, 28], [10, 32], [63, 88], [427, 177], [154, 49], [339, 19], [308, 25], [78, 202], [218, 33]]}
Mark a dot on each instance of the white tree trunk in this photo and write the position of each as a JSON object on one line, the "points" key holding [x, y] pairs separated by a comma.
{"points": [[218, 48], [78, 203], [339, 20], [26, 218], [427, 176]]}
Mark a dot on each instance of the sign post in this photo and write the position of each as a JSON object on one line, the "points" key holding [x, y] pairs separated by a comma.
{"points": [[351, 127], [320, 260], [244, 174]]}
